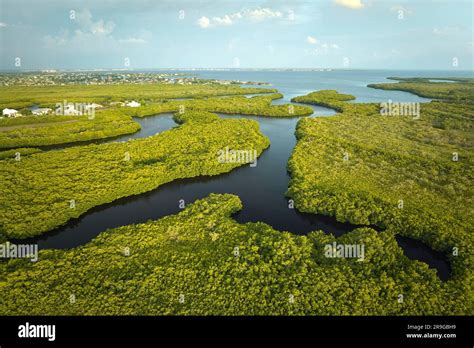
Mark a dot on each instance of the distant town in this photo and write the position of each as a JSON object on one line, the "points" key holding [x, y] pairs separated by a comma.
{"points": [[63, 78], [59, 78]]}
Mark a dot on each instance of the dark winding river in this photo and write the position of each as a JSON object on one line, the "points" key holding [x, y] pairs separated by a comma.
{"points": [[261, 188]]}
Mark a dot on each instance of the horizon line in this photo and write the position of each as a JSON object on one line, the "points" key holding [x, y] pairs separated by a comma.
{"points": [[220, 69]]}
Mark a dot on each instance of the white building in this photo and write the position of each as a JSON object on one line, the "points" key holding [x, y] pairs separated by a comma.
{"points": [[10, 112], [133, 104], [41, 111]]}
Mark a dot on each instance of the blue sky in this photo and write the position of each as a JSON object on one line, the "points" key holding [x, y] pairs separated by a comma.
{"points": [[150, 34]]}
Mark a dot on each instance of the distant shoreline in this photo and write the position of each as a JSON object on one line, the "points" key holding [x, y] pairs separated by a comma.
{"points": [[221, 69]]}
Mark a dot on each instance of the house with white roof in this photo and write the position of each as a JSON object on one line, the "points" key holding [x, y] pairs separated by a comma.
{"points": [[10, 112], [133, 104]]}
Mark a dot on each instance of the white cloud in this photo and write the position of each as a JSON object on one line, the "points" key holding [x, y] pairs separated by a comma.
{"points": [[260, 14], [354, 4], [84, 20], [204, 22], [3, 25], [101, 28], [91, 33], [312, 40], [256, 15], [226, 20]]}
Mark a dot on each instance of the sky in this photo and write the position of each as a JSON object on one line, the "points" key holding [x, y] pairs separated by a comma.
{"points": [[162, 34]]}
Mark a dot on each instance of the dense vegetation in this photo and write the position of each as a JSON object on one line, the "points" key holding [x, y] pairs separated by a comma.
{"points": [[327, 98], [409, 176], [96, 174], [50, 130], [18, 97], [18, 153], [201, 262], [460, 92], [257, 105], [105, 124], [359, 166]]}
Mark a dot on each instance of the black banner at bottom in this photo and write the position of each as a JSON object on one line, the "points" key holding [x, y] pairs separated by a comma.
{"points": [[137, 330]]}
